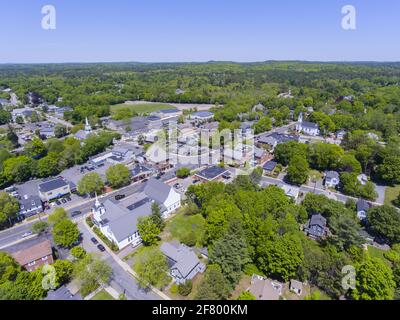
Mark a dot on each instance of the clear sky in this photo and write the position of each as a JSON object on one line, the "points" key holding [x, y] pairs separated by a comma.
{"points": [[198, 30]]}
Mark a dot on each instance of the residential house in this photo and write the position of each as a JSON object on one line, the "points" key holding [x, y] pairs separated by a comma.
{"points": [[4, 102], [260, 155], [340, 134], [62, 294], [54, 189], [332, 179], [141, 172], [308, 128], [59, 112], [362, 209], [272, 140], [269, 167], [290, 191], [47, 132], [316, 227], [30, 206], [214, 173], [296, 287], [265, 289], [258, 107], [34, 256], [164, 195], [363, 179], [183, 262], [22, 112]]}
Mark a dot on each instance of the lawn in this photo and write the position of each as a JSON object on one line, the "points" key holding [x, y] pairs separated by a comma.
{"points": [[315, 175], [391, 193], [187, 229], [142, 108], [378, 253], [103, 295]]}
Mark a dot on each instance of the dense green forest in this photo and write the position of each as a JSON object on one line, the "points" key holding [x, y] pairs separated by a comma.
{"points": [[92, 88]]}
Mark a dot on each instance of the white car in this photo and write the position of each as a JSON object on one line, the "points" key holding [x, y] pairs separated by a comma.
{"points": [[27, 234]]}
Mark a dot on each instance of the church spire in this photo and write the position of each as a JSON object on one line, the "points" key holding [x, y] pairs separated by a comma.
{"points": [[88, 127]]}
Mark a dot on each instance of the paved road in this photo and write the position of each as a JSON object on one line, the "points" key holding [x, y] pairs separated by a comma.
{"points": [[121, 281]]}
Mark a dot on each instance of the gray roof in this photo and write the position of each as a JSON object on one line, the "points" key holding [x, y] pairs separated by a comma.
{"points": [[52, 185], [182, 257], [62, 293], [203, 114], [317, 219], [270, 165], [140, 169], [332, 175], [258, 152], [30, 202], [157, 190], [211, 173], [81, 135], [311, 125], [123, 222], [167, 111]]}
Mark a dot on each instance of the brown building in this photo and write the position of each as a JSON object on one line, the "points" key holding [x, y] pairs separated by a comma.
{"points": [[32, 258]]}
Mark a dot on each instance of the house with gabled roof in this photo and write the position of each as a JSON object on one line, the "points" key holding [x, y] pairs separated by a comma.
{"points": [[183, 262], [164, 195], [316, 227]]}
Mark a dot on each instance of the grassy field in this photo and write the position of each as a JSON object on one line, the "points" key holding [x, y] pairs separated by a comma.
{"points": [[142, 108], [378, 253], [103, 295], [184, 227], [391, 193]]}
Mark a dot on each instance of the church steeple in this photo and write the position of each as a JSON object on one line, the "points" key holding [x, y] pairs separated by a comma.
{"points": [[300, 117], [88, 127]]}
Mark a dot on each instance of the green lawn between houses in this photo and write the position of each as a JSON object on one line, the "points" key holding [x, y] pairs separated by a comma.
{"points": [[378, 253], [103, 295], [141, 108], [391, 193]]}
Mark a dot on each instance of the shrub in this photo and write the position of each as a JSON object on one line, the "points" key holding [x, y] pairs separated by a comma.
{"points": [[186, 288], [174, 289], [78, 252], [89, 222]]}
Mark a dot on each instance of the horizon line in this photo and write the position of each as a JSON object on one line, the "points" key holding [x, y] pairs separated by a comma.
{"points": [[200, 62]]}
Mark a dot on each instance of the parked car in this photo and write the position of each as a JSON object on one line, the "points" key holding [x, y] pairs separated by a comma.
{"points": [[63, 200], [94, 240], [120, 197], [101, 248], [76, 213], [58, 202], [68, 198]]}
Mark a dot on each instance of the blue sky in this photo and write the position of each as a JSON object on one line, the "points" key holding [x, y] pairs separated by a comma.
{"points": [[198, 30]]}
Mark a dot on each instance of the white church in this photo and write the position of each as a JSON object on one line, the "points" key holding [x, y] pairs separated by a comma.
{"points": [[308, 128], [118, 221]]}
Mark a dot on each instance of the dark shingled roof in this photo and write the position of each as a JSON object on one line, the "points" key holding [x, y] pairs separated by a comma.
{"points": [[211, 173], [52, 185]]}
